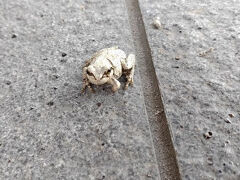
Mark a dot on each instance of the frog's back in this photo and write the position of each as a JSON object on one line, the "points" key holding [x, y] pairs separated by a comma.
{"points": [[113, 55]]}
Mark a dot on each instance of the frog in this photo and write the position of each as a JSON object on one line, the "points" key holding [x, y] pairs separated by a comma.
{"points": [[106, 66]]}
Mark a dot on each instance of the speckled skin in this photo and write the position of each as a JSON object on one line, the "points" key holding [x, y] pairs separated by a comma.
{"points": [[107, 66], [200, 86], [48, 130]]}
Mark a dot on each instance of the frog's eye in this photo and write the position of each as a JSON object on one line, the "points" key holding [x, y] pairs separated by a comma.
{"points": [[107, 72], [89, 73]]}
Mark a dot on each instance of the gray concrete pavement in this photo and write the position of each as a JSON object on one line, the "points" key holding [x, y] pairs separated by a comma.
{"points": [[164, 150], [196, 58], [48, 130], [51, 131]]}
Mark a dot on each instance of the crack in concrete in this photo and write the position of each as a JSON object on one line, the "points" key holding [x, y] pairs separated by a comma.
{"points": [[160, 130]]}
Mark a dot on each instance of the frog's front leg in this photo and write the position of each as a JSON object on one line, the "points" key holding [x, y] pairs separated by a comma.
{"points": [[86, 82], [128, 65], [115, 84]]}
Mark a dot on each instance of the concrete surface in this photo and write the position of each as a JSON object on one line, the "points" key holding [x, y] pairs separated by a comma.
{"points": [[51, 131], [196, 55], [164, 150], [48, 129]]}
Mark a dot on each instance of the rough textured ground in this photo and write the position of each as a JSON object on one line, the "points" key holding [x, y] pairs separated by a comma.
{"points": [[196, 55], [162, 139], [48, 130]]}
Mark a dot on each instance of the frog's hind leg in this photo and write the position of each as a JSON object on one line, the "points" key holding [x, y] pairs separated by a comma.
{"points": [[128, 65], [88, 62]]}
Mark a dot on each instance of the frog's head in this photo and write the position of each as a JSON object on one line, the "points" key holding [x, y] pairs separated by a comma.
{"points": [[99, 75]]}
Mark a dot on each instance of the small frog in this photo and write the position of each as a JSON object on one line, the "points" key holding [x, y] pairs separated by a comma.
{"points": [[106, 66]]}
